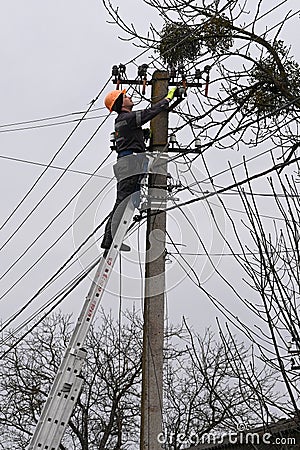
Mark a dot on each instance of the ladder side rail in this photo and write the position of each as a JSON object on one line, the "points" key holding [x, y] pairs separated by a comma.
{"points": [[67, 407], [52, 414], [99, 285], [62, 406], [67, 361]]}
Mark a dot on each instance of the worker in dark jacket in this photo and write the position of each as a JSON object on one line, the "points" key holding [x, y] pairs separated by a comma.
{"points": [[132, 162]]}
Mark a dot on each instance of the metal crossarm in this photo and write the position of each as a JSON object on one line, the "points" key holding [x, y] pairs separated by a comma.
{"points": [[67, 384]]}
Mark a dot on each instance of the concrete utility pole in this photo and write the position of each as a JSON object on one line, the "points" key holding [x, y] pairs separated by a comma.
{"points": [[152, 383]]}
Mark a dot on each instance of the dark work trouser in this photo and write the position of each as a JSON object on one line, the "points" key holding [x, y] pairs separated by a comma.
{"points": [[129, 172]]}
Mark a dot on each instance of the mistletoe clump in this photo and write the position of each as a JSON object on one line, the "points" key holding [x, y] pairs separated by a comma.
{"points": [[179, 43], [276, 84], [216, 34]]}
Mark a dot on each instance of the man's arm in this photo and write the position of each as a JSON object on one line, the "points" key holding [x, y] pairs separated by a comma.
{"points": [[146, 115]]}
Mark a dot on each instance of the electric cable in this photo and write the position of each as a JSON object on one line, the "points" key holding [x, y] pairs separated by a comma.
{"points": [[52, 278], [223, 254], [78, 280], [56, 296], [238, 183], [53, 185], [234, 254], [52, 221], [45, 119], [236, 130], [255, 194], [225, 171], [185, 153], [37, 238], [197, 182], [187, 149], [43, 232], [279, 252], [60, 270], [55, 276], [229, 315], [35, 163], [12, 333], [180, 253], [53, 158], [35, 127], [11, 236]]}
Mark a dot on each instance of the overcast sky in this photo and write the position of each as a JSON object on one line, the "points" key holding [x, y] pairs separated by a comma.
{"points": [[56, 57]]}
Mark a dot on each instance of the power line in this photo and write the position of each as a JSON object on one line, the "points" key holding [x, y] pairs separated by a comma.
{"points": [[59, 269], [35, 163], [240, 211], [238, 183], [65, 293], [50, 163], [52, 160], [51, 188], [276, 252], [44, 119], [34, 127], [63, 269], [229, 169], [51, 279], [197, 182], [229, 315], [56, 241]]}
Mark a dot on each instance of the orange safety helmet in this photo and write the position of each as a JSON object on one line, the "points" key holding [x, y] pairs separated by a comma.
{"points": [[111, 98]]}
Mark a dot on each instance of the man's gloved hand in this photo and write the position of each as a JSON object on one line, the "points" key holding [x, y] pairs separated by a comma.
{"points": [[171, 93]]}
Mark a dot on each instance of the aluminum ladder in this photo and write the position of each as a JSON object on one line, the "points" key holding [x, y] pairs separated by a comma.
{"points": [[68, 382]]}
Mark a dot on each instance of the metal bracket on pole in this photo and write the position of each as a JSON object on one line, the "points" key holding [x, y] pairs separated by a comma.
{"points": [[157, 198], [68, 381]]}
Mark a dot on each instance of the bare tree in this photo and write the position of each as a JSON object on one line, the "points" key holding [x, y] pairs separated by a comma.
{"points": [[106, 415], [213, 388], [254, 87], [202, 391], [252, 103], [271, 265]]}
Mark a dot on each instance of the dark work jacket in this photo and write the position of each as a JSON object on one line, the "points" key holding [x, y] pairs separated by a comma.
{"points": [[128, 127]]}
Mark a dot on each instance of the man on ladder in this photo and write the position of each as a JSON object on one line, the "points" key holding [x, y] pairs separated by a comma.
{"points": [[131, 161]]}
